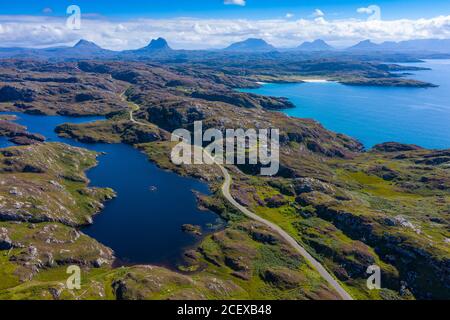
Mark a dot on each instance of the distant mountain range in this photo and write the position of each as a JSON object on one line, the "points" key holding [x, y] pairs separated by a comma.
{"points": [[422, 45], [159, 44], [363, 46], [316, 45], [428, 45], [160, 48], [84, 49]]}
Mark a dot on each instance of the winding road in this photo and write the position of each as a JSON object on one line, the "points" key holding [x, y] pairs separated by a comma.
{"points": [[227, 194]]}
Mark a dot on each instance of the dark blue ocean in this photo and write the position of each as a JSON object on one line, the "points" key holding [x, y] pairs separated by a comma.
{"points": [[140, 225], [377, 114]]}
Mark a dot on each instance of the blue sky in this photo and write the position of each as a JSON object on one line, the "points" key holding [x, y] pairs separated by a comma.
{"points": [[202, 24], [253, 9]]}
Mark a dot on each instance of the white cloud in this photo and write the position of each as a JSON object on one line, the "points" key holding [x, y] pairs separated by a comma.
{"points": [[47, 10], [318, 13], [235, 2], [289, 15], [196, 33]]}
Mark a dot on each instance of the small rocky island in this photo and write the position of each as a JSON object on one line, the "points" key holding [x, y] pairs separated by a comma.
{"points": [[192, 229]]}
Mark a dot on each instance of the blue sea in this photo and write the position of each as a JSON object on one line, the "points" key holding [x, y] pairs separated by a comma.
{"points": [[377, 114]]}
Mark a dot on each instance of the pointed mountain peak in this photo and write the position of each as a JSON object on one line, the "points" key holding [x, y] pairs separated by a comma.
{"points": [[316, 45], [365, 45], [84, 44], [158, 44], [251, 44], [367, 41]]}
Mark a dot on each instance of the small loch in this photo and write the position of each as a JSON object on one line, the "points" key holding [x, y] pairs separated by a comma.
{"points": [[377, 114], [143, 224]]}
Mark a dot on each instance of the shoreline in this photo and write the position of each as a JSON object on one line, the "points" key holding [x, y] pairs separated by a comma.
{"points": [[316, 80], [309, 80]]}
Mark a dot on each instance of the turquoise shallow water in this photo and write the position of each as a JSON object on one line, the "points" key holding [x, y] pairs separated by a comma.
{"points": [[377, 114]]}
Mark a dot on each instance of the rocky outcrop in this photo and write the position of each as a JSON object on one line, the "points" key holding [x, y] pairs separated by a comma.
{"points": [[5, 242], [34, 188], [18, 134], [306, 185], [95, 67], [82, 97], [282, 278], [395, 147], [12, 94], [276, 201], [46, 245], [388, 82], [111, 132], [192, 229], [424, 273], [245, 100], [52, 79], [150, 282], [384, 172]]}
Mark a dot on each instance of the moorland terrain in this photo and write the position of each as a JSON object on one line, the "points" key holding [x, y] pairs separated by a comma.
{"points": [[349, 207]]}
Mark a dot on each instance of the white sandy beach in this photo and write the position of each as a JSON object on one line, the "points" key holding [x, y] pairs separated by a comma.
{"points": [[315, 80]]}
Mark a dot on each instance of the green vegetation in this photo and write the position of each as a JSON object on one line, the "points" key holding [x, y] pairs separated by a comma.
{"points": [[46, 182], [115, 130]]}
